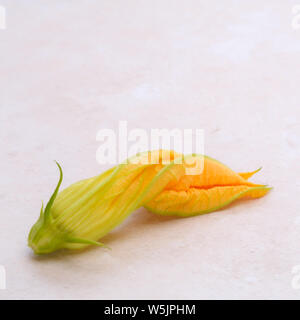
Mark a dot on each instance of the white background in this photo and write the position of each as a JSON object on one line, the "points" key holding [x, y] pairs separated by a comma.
{"points": [[232, 68]]}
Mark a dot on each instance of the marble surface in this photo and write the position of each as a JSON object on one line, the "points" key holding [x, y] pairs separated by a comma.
{"points": [[232, 68]]}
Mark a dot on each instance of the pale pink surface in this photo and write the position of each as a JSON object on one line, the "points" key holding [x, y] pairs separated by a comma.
{"points": [[230, 67]]}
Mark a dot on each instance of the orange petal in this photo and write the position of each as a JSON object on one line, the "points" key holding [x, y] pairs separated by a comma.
{"points": [[198, 201], [247, 175]]}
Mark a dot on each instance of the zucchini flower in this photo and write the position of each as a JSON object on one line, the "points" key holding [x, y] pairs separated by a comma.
{"points": [[86, 211]]}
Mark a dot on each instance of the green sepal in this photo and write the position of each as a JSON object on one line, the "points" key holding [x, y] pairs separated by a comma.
{"points": [[86, 241], [42, 211], [54, 195]]}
